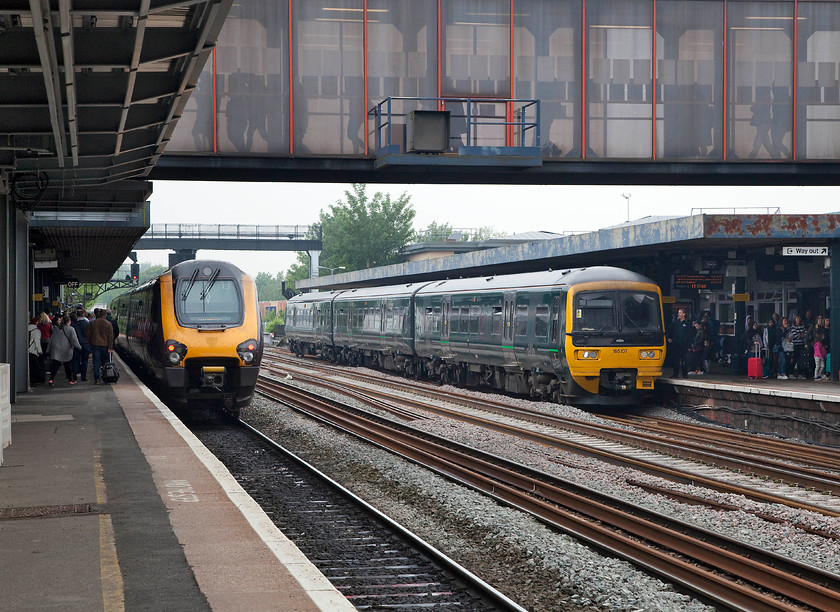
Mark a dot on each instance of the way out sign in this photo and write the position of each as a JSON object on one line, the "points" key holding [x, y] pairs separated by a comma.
{"points": [[807, 251]]}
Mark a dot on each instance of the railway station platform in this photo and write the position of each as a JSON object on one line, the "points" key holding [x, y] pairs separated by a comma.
{"points": [[796, 408], [108, 503]]}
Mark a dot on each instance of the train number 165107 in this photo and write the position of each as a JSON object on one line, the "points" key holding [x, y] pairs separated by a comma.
{"points": [[619, 350]]}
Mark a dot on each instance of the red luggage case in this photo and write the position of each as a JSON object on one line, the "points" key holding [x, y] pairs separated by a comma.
{"points": [[755, 367]]}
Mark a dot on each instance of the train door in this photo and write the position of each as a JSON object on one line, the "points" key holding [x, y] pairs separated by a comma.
{"points": [[445, 323], [507, 328]]}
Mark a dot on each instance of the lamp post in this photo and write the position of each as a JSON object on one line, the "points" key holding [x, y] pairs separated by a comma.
{"points": [[332, 270]]}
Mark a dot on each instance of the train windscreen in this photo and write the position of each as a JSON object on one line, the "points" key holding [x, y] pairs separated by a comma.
{"points": [[208, 302], [634, 315]]}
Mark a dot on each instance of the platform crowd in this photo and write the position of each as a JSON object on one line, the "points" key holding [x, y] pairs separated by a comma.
{"points": [[797, 347], [69, 339]]}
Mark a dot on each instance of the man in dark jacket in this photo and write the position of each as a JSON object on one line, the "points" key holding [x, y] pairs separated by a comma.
{"points": [[680, 333], [100, 334]]}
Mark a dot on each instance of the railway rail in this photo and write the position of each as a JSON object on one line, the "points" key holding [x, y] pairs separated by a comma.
{"points": [[762, 478], [369, 558], [730, 573]]}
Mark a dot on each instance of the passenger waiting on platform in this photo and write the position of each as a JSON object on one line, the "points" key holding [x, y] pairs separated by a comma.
{"points": [[797, 337], [811, 337], [827, 344], [753, 341], [45, 325], [819, 356], [773, 343], [100, 334], [80, 357], [679, 336], [694, 358], [62, 342], [36, 372]]}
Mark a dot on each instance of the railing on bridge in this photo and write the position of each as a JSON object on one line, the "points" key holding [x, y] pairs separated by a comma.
{"points": [[227, 232], [474, 122]]}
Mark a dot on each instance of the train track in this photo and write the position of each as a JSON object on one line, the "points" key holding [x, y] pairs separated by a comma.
{"points": [[776, 479], [370, 559], [729, 573]]}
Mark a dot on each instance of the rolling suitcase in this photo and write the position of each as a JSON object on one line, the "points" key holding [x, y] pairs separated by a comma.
{"points": [[109, 372], [755, 367]]}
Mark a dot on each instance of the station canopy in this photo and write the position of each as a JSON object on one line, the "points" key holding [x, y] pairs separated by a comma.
{"points": [[91, 91]]}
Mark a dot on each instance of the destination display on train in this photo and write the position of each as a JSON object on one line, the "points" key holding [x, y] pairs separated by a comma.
{"points": [[698, 281]]}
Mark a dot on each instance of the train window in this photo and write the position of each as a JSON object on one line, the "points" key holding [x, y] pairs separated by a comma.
{"points": [[474, 316], [213, 301], [541, 321], [611, 311], [640, 312], [520, 321], [436, 319], [595, 311], [496, 328]]}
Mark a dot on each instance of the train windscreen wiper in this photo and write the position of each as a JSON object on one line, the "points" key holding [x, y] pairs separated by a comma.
{"points": [[189, 286], [212, 282], [639, 327]]}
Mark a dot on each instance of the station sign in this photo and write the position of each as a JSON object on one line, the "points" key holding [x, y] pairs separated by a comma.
{"points": [[806, 251], [698, 281]]}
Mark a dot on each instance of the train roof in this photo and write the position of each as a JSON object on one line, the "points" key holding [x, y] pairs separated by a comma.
{"points": [[206, 267], [498, 282], [534, 279]]}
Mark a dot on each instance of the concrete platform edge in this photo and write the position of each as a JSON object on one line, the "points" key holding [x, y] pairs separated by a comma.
{"points": [[322, 593]]}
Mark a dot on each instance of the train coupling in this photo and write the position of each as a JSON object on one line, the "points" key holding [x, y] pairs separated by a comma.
{"points": [[617, 382], [213, 376]]}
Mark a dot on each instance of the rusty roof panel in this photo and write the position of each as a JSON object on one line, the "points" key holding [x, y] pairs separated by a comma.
{"points": [[824, 226]]}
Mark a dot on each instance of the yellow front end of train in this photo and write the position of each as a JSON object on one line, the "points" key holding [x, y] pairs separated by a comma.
{"points": [[615, 342], [210, 326]]}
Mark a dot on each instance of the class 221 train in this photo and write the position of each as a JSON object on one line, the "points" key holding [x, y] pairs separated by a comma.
{"points": [[196, 331], [582, 336]]}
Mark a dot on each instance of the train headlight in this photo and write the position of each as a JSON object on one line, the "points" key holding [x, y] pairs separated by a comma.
{"points": [[649, 354], [587, 354], [175, 351], [247, 351]]}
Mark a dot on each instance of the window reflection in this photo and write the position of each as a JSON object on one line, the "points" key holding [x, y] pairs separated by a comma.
{"points": [[618, 95], [760, 116], [689, 79]]}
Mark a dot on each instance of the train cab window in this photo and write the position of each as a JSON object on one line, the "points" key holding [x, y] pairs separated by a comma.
{"points": [[595, 311], [520, 320], [640, 312], [541, 321], [212, 301], [628, 312]]}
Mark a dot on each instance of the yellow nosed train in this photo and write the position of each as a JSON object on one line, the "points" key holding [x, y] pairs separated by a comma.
{"points": [[196, 330], [585, 336]]}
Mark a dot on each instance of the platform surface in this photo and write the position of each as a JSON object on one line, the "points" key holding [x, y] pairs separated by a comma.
{"points": [[108, 503]]}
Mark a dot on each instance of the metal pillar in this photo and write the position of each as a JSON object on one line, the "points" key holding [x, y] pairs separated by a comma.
{"points": [[14, 293], [834, 311]]}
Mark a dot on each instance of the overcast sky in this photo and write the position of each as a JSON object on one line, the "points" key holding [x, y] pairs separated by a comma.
{"points": [[508, 209]]}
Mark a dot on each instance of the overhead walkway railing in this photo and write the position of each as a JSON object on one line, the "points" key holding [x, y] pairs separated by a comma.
{"points": [[194, 236], [457, 132], [243, 232]]}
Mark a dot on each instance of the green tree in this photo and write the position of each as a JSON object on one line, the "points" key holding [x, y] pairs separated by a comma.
{"points": [[435, 232], [269, 288], [361, 232]]}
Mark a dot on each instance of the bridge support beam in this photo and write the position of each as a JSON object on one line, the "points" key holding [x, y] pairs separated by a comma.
{"points": [[181, 255]]}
